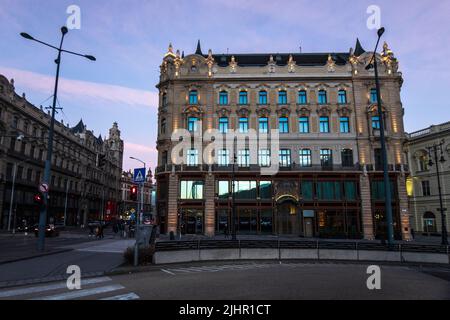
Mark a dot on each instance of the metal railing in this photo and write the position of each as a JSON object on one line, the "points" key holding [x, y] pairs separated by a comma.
{"points": [[295, 244]]}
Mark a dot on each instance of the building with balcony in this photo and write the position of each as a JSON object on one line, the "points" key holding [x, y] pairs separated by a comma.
{"points": [[422, 186], [225, 119], [86, 169]]}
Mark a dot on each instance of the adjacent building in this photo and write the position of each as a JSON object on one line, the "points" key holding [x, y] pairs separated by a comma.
{"points": [[422, 186], [86, 169], [128, 205], [326, 142]]}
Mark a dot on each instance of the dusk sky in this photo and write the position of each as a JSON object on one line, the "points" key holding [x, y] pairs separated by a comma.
{"points": [[129, 39]]}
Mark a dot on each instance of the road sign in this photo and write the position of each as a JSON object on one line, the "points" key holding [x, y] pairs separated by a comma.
{"points": [[43, 187], [139, 175]]}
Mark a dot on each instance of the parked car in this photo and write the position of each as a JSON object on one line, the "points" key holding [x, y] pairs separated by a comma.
{"points": [[50, 230]]}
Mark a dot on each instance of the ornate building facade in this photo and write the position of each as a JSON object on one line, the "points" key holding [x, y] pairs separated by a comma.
{"points": [[128, 205], [422, 186], [86, 170], [329, 182]]}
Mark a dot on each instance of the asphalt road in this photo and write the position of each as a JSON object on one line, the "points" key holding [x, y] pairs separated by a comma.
{"points": [[286, 281]]}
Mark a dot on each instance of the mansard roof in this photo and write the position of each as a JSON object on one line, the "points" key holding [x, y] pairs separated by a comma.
{"points": [[281, 59]]}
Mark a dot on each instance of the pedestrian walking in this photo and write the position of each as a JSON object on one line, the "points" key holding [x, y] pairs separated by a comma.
{"points": [[225, 231]]}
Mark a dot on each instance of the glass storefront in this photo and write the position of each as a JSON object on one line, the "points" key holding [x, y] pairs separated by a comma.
{"points": [[192, 221]]}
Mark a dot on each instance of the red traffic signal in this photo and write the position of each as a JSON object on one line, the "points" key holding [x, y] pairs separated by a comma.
{"points": [[39, 199], [133, 193]]}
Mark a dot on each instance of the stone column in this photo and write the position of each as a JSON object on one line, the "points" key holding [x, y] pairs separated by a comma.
{"points": [[209, 196], [404, 208], [172, 207], [366, 207]]}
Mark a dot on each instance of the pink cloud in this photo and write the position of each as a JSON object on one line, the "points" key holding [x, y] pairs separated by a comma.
{"points": [[83, 90]]}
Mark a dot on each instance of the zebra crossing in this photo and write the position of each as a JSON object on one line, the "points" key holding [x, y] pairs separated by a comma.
{"points": [[100, 288]]}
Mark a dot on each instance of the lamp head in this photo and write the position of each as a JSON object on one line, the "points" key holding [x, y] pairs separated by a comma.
{"points": [[430, 163], [64, 30], [369, 66], [380, 32], [442, 160], [92, 58], [26, 36]]}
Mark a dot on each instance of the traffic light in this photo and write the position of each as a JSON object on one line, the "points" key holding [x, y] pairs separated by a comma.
{"points": [[101, 160], [133, 193], [39, 199]]}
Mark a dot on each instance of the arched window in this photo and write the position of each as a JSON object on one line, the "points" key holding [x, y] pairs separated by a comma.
{"points": [[263, 125], [223, 98], [263, 97], [193, 97], [322, 97], [429, 222], [302, 97], [342, 97], [243, 125], [282, 97], [243, 97]]}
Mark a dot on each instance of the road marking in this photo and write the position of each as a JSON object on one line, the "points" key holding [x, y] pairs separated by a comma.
{"points": [[61, 285], [123, 297], [167, 271], [82, 293]]}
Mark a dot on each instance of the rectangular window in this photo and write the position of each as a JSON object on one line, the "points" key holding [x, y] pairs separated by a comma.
{"points": [[263, 125], [263, 97], [243, 97], [245, 190], [284, 125], [265, 189], [223, 125], [342, 97], [303, 125], [329, 190], [192, 157], [307, 190], [345, 125], [223, 189], [347, 158], [244, 158], [322, 98], [264, 157], [324, 125], [326, 158], [426, 189], [223, 98], [282, 97], [224, 158], [191, 190], [378, 190], [285, 157], [192, 124], [373, 96], [193, 97], [305, 158], [302, 97], [376, 122], [243, 125], [350, 190]]}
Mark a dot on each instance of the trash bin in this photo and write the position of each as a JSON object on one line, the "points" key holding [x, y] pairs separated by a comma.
{"points": [[172, 235]]}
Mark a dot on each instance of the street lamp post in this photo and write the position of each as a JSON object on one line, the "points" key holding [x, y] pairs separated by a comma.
{"points": [[233, 191], [387, 184], [138, 217], [13, 187], [433, 153], [48, 162]]}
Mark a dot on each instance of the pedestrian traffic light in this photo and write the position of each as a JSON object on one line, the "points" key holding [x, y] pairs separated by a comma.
{"points": [[133, 193]]}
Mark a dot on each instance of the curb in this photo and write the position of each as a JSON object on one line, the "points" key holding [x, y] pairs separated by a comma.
{"points": [[35, 256]]}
